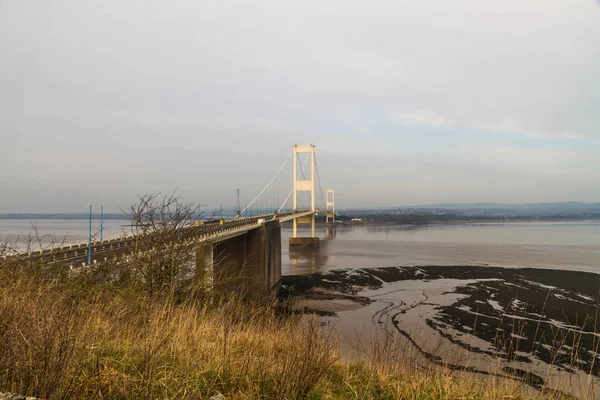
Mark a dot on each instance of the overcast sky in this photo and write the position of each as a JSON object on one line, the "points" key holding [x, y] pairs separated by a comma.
{"points": [[407, 102]]}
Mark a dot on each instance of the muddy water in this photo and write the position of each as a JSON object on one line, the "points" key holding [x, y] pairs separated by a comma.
{"points": [[542, 244], [51, 231], [462, 307], [571, 245]]}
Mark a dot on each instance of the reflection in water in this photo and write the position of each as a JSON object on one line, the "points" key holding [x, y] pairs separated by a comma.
{"points": [[572, 245], [309, 260], [331, 231], [305, 261], [312, 260]]}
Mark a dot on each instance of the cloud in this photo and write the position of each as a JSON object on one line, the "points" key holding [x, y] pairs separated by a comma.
{"points": [[509, 156], [420, 118], [430, 119], [512, 126], [544, 164], [201, 86]]}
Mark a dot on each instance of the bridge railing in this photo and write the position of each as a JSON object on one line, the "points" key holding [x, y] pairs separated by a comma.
{"points": [[128, 242]]}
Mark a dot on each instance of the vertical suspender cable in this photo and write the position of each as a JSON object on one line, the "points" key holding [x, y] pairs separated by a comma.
{"points": [[268, 184]]}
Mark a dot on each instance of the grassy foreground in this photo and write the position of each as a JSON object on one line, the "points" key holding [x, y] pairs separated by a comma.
{"points": [[68, 338]]}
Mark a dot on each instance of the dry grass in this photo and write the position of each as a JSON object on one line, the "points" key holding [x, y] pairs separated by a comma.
{"points": [[58, 342], [148, 329]]}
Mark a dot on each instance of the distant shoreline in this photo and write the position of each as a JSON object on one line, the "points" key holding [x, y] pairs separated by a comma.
{"points": [[32, 217], [345, 222], [472, 221]]}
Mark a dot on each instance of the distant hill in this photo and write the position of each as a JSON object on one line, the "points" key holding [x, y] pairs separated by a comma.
{"points": [[568, 210], [569, 206]]}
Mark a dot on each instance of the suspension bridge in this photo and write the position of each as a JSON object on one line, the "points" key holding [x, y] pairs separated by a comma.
{"points": [[245, 250], [301, 202]]}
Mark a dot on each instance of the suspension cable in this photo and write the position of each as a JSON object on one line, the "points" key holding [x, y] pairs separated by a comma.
{"points": [[292, 190], [266, 187], [319, 180]]}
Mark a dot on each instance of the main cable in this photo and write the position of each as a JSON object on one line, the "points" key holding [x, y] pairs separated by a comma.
{"points": [[266, 187], [319, 180]]}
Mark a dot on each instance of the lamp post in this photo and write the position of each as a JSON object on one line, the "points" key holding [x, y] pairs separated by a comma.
{"points": [[101, 220], [90, 239]]}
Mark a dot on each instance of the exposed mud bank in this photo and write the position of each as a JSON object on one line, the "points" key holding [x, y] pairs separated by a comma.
{"points": [[540, 325]]}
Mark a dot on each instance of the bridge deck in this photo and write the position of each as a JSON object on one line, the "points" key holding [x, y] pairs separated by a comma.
{"points": [[206, 232]]}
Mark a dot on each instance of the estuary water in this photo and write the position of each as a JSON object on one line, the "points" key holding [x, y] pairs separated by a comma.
{"points": [[494, 299], [48, 231], [564, 245]]}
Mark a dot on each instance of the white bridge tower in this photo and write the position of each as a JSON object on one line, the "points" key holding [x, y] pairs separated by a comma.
{"points": [[304, 185], [330, 206]]}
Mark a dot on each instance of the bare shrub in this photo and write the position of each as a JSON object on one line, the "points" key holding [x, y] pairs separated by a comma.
{"points": [[163, 256]]}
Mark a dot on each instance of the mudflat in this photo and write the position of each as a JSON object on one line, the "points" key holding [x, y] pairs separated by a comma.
{"points": [[538, 325]]}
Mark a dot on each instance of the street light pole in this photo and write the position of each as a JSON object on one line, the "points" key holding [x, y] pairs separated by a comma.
{"points": [[101, 220], [90, 239]]}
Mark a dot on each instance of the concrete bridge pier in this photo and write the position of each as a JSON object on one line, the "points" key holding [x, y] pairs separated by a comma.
{"points": [[249, 263], [304, 242]]}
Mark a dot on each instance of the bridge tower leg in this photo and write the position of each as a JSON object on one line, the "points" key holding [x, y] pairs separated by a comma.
{"points": [[330, 206], [304, 185]]}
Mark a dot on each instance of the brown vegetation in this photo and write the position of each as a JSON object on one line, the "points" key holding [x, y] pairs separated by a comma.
{"points": [[60, 341], [146, 328]]}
